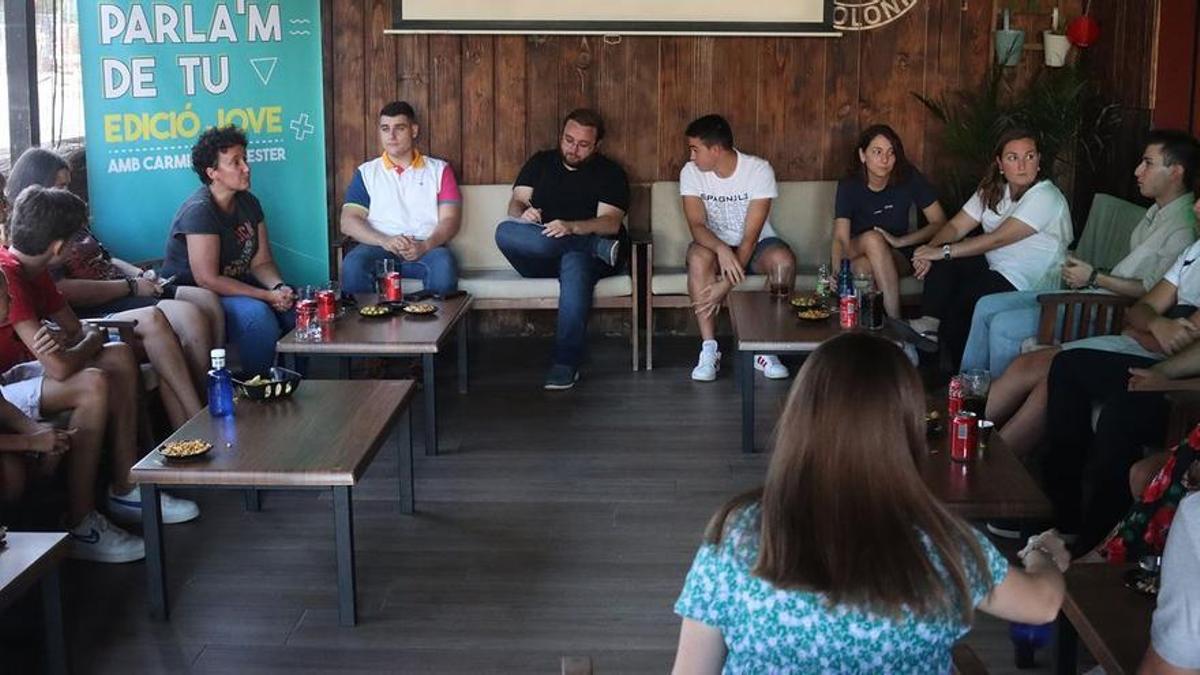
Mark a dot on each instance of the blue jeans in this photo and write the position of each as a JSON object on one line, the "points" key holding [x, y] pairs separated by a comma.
{"points": [[437, 269], [573, 261], [254, 327], [1002, 321]]}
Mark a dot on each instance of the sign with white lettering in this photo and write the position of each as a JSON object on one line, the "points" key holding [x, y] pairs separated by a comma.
{"points": [[868, 14], [156, 75]]}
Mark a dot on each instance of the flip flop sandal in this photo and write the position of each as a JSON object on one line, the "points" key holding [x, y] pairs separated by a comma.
{"points": [[926, 341]]}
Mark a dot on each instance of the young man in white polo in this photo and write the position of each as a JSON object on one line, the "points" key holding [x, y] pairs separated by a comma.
{"points": [[404, 206], [727, 197]]}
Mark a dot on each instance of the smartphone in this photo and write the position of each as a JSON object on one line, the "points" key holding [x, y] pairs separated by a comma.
{"points": [[168, 280]]}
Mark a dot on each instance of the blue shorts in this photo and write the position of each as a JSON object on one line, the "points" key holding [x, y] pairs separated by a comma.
{"points": [[762, 245]]}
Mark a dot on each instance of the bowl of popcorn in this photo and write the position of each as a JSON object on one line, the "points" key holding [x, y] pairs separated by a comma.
{"points": [[278, 383]]}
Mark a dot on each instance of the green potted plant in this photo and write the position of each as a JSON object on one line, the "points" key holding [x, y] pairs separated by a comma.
{"points": [[1009, 41]]}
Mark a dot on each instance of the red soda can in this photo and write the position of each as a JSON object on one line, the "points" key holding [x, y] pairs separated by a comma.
{"points": [[306, 316], [955, 397], [964, 436], [392, 287], [326, 306], [848, 311]]}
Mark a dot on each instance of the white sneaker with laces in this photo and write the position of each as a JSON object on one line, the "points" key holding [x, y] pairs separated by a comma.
{"points": [[98, 540], [127, 508], [770, 366], [707, 366]]}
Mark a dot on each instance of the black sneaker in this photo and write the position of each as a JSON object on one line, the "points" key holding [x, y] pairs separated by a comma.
{"points": [[609, 251], [561, 377], [1005, 528]]}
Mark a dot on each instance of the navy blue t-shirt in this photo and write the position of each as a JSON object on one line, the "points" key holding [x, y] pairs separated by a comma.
{"points": [[887, 209]]}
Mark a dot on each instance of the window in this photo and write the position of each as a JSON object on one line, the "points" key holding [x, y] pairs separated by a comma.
{"points": [[60, 79]]}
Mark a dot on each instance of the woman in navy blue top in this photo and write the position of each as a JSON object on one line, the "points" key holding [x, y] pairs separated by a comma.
{"points": [[872, 213]]}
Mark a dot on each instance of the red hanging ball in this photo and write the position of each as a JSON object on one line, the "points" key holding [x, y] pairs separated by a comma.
{"points": [[1083, 31]]}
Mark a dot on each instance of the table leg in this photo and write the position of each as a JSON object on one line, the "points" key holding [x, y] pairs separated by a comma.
{"points": [[52, 616], [343, 525], [156, 571], [289, 361], [462, 354], [746, 375], [252, 498], [1066, 647], [431, 445], [402, 439]]}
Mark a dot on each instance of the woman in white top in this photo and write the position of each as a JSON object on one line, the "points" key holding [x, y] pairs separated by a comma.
{"points": [[1026, 228]]}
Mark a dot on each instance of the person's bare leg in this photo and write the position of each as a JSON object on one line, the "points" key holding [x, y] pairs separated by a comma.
{"points": [[165, 354], [1009, 391], [191, 327], [773, 257], [209, 303], [116, 360], [176, 415], [1144, 470], [702, 272], [12, 477], [86, 395], [1022, 432], [879, 255]]}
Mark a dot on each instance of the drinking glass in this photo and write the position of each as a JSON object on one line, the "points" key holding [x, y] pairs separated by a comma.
{"points": [[976, 384], [780, 280], [383, 267]]}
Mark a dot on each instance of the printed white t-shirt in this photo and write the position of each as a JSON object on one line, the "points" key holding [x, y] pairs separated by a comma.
{"points": [[1033, 263], [726, 200]]}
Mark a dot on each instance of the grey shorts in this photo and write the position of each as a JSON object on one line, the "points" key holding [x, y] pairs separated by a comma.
{"points": [[21, 386], [762, 245]]}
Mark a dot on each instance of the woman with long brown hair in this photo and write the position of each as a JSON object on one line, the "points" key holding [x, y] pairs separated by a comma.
{"points": [[1026, 226], [844, 561]]}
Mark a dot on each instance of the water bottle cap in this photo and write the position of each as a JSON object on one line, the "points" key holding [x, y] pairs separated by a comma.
{"points": [[217, 353]]}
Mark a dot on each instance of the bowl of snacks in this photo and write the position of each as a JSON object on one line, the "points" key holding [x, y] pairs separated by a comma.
{"points": [[184, 451], [278, 383], [420, 308], [807, 300], [375, 311], [933, 423]]}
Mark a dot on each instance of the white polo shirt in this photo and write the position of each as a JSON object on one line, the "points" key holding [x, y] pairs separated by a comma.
{"points": [[400, 200]]}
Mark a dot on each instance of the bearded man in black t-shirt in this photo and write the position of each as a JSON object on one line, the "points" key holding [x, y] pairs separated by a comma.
{"points": [[565, 222]]}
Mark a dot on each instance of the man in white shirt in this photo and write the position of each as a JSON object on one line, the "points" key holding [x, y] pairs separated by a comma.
{"points": [[1175, 630], [404, 206], [727, 197]]}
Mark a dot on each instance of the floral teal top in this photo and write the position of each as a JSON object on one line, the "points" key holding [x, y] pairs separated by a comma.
{"points": [[768, 630]]}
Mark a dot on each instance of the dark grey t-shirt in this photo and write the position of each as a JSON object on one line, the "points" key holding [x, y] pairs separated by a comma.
{"points": [[200, 215]]}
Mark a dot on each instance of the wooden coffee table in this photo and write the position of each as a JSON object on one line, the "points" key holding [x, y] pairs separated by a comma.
{"points": [[323, 437], [765, 325], [993, 485], [400, 335], [30, 557], [1113, 621]]}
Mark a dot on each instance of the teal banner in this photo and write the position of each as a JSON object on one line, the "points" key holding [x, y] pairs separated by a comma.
{"points": [[156, 75]]}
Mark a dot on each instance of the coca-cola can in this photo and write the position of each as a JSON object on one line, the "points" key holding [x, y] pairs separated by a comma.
{"points": [[954, 398], [964, 436], [326, 306], [392, 287], [848, 311]]}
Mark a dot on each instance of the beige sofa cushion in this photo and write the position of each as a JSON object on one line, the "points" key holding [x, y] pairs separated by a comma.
{"points": [[507, 284], [484, 206]]}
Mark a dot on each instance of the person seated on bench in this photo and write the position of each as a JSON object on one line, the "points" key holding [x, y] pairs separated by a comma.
{"points": [[727, 197], [565, 221], [174, 335], [871, 211], [843, 561], [1003, 321], [74, 363], [219, 241], [402, 206], [1026, 228]]}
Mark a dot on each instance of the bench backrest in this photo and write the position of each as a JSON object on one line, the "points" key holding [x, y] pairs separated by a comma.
{"points": [[484, 206], [1105, 237], [802, 215]]}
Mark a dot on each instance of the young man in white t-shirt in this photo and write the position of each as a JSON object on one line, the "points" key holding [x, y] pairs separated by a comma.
{"points": [[727, 198]]}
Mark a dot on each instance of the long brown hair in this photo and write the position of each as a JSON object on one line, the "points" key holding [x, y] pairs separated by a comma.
{"points": [[991, 187], [844, 510], [901, 170]]}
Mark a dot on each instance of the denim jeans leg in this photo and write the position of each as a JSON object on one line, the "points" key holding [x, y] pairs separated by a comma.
{"points": [[976, 355], [254, 328], [576, 281], [1009, 330], [533, 254], [437, 270], [358, 268]]}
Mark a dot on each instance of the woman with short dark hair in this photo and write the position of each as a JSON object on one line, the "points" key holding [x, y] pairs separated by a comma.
{"points": [[844, 561]]}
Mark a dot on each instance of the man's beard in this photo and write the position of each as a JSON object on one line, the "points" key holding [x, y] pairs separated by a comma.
{"points": [[574, 165]]}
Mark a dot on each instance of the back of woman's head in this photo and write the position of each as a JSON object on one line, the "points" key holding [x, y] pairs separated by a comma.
{"points": [[35, 166], [844, 507]]}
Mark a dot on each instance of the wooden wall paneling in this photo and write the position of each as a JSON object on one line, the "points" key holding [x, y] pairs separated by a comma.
{"points": [[510, 89], [942, 74], [841, 94], [413, 78], [735, 85], [892, 66], [381, 59], [675, 72], [479, 109], [612, 62], [541, 64], [1176, 87], [444, 123], [791, 122], [978, 21], [641, 110], [577, 72], [349, 141]]}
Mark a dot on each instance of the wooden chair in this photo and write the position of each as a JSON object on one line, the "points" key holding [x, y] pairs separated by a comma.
{"points": [[1073, 316], [965, 660]]}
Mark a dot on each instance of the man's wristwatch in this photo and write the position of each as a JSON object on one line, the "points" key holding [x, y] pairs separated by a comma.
{"points": [[945, 251], [1091, 282], [132, 286]]}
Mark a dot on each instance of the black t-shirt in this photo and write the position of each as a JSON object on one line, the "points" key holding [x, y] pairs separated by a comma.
{"points": [[200, 215], [573, 195], [887, 209]]}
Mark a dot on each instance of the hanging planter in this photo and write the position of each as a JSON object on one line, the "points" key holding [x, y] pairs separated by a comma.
{"points": [[1055, 43], [1083, 31], [1009, 43]]}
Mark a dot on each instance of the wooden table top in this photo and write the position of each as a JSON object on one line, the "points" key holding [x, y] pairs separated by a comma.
{"points": [[762, 323], [324, 435], [398, 334], [1112, 621], [25, 558], [994, 485]]}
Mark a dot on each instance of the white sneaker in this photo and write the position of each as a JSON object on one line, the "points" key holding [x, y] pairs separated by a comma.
{"points": [[770, 366], [127, 508], [910, 350], [707, 366], [98, 540]]}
